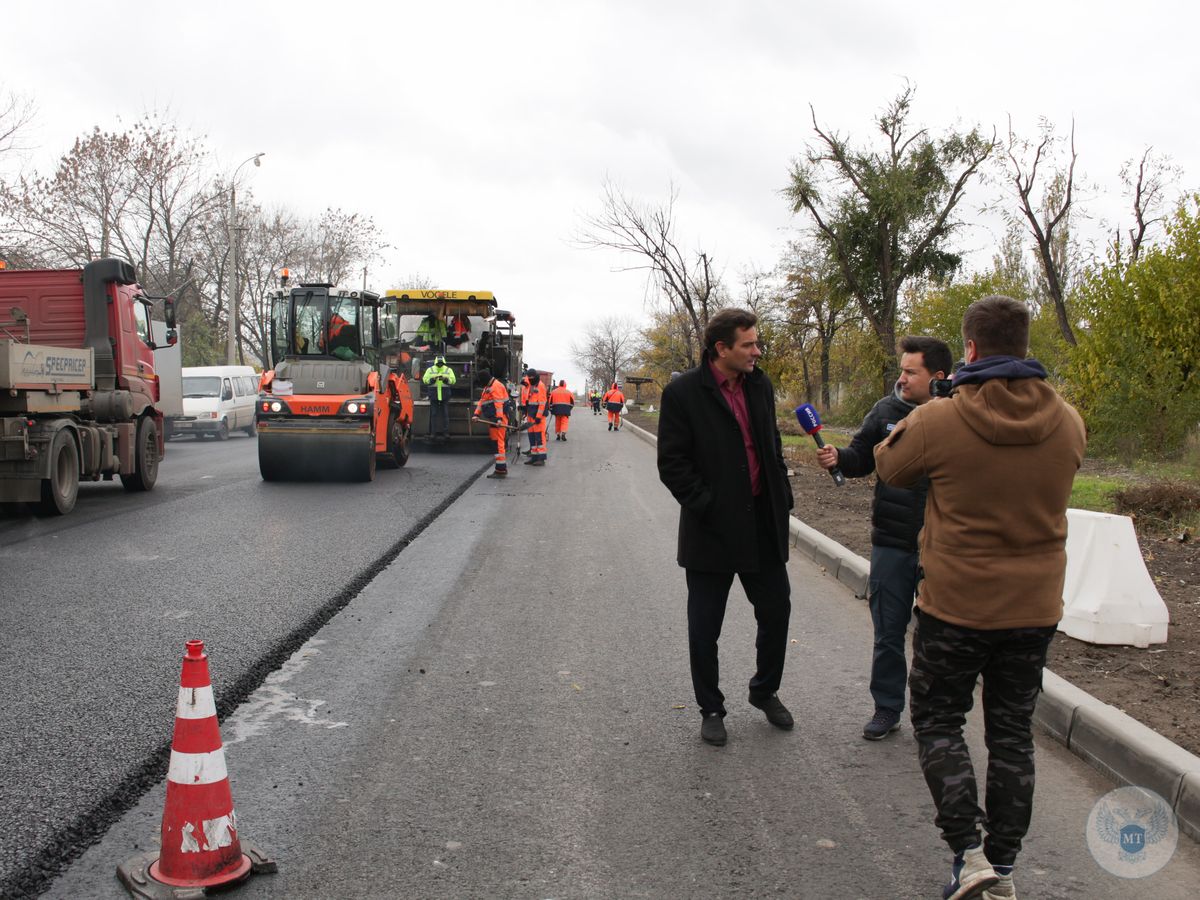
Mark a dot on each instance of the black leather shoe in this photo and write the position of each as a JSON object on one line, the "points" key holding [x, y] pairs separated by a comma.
{"points": [[777, 714], [712, 730]]}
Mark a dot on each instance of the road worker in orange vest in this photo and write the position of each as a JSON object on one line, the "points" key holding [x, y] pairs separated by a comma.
{"points": [[562, 401], [490, 408], [614, 402], [536, 411]]}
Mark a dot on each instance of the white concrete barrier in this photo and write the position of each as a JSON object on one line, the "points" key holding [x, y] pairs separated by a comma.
{"points": [[1109, 597]]}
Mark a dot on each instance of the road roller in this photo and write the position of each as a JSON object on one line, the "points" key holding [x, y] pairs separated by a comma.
{"points": [[335, 402]]}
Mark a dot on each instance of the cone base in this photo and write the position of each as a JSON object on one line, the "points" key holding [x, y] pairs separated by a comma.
{"points": [[239, 872], [140, 876]]}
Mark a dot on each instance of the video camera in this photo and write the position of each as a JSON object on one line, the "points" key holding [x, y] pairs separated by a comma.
{"points": [[944, 387]]}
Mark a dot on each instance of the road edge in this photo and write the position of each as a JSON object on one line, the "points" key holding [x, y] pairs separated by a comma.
{"points": [[1101, 735]]}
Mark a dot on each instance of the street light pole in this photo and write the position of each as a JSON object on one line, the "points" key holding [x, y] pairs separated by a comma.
{"points": [[231, 344]]}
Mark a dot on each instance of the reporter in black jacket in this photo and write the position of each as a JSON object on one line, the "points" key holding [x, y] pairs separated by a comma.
{"points": [[897, 515], [720, 455]]}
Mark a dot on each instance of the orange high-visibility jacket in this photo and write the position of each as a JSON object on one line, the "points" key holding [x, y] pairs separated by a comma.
{"points": [[562, 401], [614, 398], [491, 403], [535, 400]]}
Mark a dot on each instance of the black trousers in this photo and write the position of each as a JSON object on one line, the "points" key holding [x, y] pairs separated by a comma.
{"points": [[947, 662], [768, 591]]}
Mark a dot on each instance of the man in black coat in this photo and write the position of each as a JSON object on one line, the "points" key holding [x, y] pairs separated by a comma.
{"points": [[897, 515], [720, 455]]}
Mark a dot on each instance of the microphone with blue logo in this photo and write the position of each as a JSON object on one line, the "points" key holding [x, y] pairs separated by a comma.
{"points": [[806, 415]]}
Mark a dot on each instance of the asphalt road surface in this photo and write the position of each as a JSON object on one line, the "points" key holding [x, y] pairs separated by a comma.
{"points": [[97, 607], [505, 711]]}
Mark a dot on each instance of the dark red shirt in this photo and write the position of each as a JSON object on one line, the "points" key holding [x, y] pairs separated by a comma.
{"points": [[735, 396]]}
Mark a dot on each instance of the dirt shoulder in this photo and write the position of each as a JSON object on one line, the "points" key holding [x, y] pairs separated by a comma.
{"points": [[1159, 686]]}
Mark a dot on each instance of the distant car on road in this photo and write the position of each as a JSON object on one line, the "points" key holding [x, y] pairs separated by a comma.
{"points": [[217, 400]]}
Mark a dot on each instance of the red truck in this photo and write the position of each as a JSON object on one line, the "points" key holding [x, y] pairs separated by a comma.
{"points": [[78, 389]]}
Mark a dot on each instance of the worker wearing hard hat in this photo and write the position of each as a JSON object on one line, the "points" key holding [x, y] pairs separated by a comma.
{"points": [[490, 409], [438, 379], [614, 402], [536, 404], [562, 401]]}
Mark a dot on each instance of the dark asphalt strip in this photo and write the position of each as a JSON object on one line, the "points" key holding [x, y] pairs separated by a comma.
{"points": [[89, 827]]}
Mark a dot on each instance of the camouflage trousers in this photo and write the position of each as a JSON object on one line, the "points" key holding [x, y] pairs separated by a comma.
{"points": [[947, 662]]}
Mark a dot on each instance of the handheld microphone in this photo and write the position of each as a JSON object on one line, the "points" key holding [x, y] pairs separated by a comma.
{"points": [[806, 415]]}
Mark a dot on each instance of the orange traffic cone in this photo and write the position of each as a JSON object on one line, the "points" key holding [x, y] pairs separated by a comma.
{"points": [[200, 844]]}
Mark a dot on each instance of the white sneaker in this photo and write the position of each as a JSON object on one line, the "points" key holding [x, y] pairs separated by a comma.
{"points": [[970, 878]]}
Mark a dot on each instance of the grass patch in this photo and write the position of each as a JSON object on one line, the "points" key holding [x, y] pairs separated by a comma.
{"points": [[836, 437], [1095, 492]]}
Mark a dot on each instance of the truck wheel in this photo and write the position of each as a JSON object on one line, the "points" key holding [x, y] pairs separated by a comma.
{"points": [[61, 489], [145, 457], [223, 430]]}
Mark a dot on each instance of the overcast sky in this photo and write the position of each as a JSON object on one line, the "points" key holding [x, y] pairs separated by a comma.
{"points": [[476, 134]]}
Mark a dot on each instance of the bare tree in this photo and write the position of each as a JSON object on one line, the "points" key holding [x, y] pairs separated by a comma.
{"points": [[1145, 187], [340, 245], [687, 283], [1049, 218], [16, 113], [609, 348]]}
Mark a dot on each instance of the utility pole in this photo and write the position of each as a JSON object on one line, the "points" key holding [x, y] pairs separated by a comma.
{"points": [[231, 343]]}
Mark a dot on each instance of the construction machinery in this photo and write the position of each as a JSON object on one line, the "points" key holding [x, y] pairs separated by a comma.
{"points": [[336, 401], [474, 337], [79, 392]]}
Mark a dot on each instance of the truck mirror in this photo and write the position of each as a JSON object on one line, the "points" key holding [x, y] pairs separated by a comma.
{"points": [[172, 337], [169, 317]]}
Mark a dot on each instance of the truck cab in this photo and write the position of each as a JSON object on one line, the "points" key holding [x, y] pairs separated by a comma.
{"points": [[81, 391]]}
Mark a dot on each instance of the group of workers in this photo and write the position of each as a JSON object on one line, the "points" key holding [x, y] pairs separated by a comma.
{"points": [[537, 405], [436, 332], [614, 403]]}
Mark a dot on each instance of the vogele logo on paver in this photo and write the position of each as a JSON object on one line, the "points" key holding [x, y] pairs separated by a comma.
{"points": [[1132, 832]]}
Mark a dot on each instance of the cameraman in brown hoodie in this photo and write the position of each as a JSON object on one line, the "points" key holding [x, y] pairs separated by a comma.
{"points": [[1001, 455]]}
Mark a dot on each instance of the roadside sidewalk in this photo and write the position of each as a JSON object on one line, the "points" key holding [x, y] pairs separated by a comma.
{"points": [[1117, 744]]}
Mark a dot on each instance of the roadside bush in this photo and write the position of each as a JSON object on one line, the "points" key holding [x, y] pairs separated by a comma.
{"points": [[1159, 504], [1135, 374]]}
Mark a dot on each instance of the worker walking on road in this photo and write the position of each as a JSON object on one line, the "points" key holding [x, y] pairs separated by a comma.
{"points": [[614, 402], [594, 396], [490, 409], [438, 379], [562, 401], [536, 409]]}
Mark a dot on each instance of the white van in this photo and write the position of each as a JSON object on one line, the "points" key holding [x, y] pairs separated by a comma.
{"points": [[217, 400]]}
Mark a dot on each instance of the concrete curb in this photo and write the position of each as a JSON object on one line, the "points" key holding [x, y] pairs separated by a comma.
{"points": [[1104, 737]]}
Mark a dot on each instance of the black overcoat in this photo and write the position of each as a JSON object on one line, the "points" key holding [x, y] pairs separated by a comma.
{"points": [[702, 461]]}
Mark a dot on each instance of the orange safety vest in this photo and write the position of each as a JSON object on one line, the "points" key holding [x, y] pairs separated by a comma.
{"points": [[491, 403], [535, 400], [561, 401]]}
